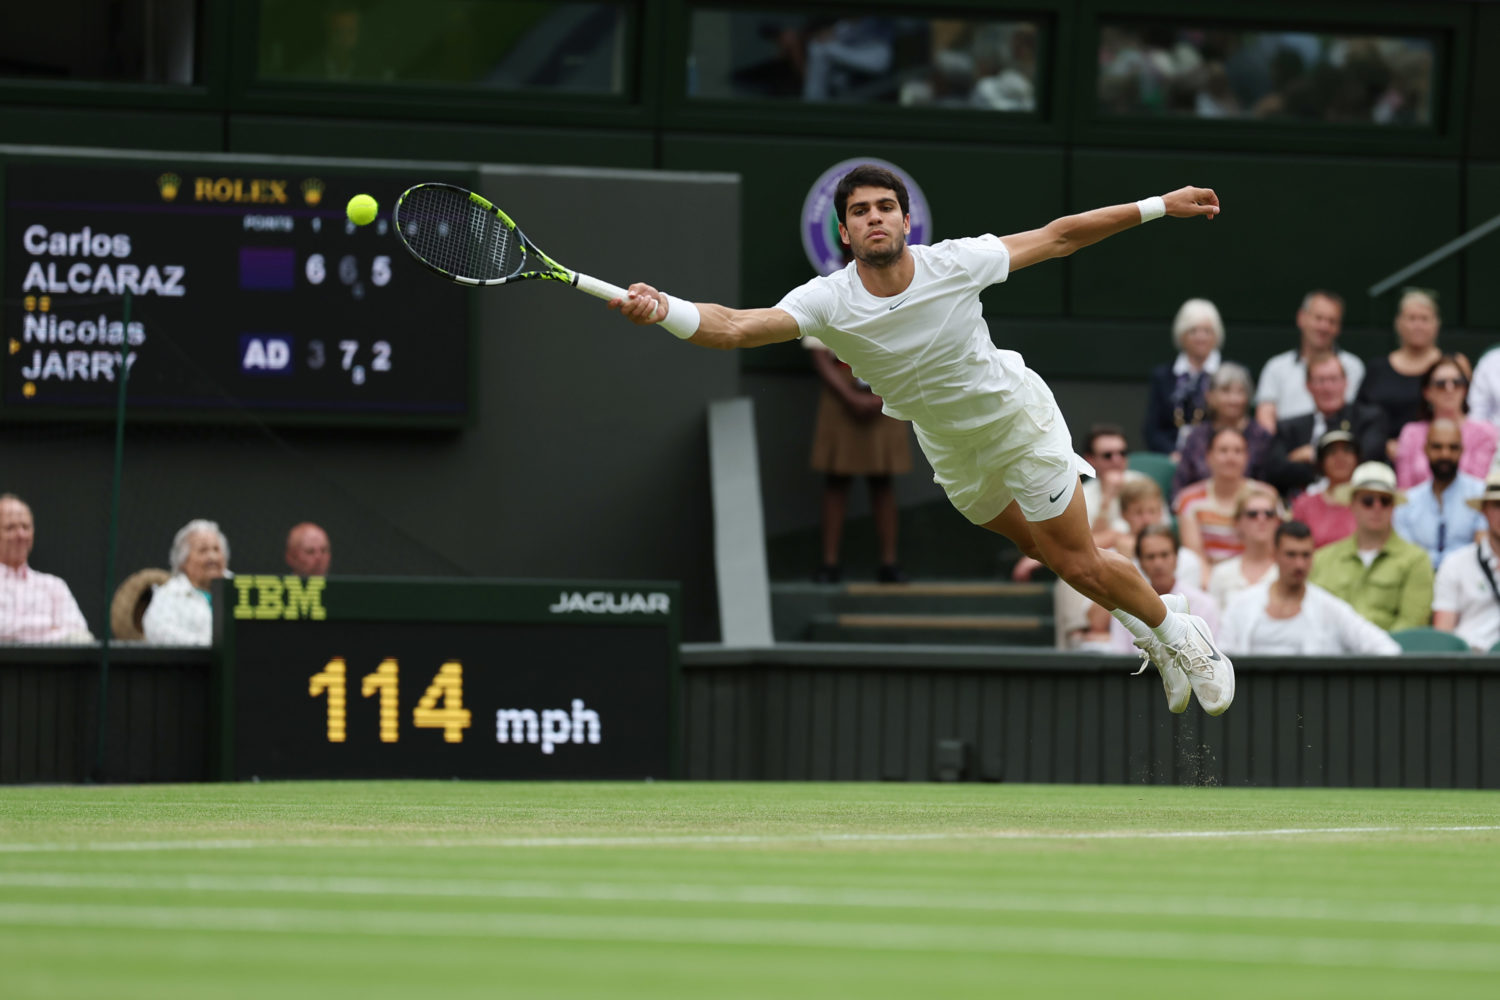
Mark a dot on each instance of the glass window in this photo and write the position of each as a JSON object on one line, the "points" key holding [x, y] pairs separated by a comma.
{"points": [[919, 61], [1257, 73], [117, 41], [491, 44]]}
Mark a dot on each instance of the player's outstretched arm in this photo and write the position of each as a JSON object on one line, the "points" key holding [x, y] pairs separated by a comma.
{"points": [[717, 326], [1062, 237]]}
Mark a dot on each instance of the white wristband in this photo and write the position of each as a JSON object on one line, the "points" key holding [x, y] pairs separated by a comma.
{"points": [[1151, 208], [682, 317]]}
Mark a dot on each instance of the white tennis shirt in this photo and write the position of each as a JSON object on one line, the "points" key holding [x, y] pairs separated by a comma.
{"points": [[927, 351]]}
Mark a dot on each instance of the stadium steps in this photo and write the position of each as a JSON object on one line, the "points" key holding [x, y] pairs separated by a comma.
{"points": [[954, 613]]}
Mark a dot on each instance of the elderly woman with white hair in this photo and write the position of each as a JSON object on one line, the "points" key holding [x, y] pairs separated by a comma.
{"points": [[181, 610], [1179, 391]]}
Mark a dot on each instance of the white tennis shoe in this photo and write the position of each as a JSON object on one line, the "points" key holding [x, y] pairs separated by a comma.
{"points": [[1154, 653], [1207, 668]]}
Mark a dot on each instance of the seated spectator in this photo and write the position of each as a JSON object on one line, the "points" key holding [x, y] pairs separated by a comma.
{"points": [[1291, 466], [1386, 578], [1158, 549], [1316, 507], [34, 607], [1228, 406], [1289, 616], [1177, 395], [1205, 510], [181, 610], [1445, 392], [1465, 598], [1484, 393], [307, 550], [1257, 515], [1141, 506], [1393, 381], [1282, 390], [1437, 514]]}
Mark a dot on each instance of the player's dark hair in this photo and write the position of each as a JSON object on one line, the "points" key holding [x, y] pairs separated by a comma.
{"points": [[1291, 529], [868, 175], [1098, 431]]}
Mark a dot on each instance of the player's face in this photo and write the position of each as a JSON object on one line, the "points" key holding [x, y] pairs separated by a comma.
{"points": [[1294, 560], [205, 560], [309, 554], [1320, 322], [1373, 511], [1327, 383], [874, 227], [1159, 561], [15, 533]]}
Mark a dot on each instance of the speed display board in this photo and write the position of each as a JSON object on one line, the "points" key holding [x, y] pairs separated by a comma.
{"points": [[250, 293], [365, 678]]}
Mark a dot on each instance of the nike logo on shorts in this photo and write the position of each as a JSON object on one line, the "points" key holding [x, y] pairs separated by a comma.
{"points": [[1053, 497]]}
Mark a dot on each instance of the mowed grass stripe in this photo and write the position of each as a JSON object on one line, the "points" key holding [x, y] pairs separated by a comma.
{"points": [[715, 840], [1214, 905], [1278, 950]]}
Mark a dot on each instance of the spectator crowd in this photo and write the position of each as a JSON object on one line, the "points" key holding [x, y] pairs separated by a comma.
{"points": [[1341, 505]]}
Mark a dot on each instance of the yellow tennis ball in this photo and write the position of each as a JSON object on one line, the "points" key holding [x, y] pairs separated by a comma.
{"points": [[362, 209]]}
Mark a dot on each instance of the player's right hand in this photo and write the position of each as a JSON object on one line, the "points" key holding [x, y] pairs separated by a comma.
{"points": [[644, 305]]}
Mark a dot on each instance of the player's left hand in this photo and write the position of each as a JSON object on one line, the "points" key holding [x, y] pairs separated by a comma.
{"points": [[644, 306], [1184, 203]]}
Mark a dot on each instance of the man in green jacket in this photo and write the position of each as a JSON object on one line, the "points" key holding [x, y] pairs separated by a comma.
{"points": [[1385, 577]]}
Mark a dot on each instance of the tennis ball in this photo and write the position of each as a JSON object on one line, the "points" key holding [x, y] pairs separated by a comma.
{"points": [[362, 209]]}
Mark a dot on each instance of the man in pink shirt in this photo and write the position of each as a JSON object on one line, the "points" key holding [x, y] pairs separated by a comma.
{"points": [[34, 607]]}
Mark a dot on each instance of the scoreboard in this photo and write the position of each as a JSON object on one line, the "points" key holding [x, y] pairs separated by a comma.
{"points": [[250, 295], [374, 678]]}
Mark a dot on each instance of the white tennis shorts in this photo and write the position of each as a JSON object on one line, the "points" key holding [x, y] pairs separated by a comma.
{"points": [[1026, 456]]}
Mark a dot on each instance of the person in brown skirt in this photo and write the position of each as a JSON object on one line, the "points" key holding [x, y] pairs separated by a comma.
{"points": [[853, 438]]}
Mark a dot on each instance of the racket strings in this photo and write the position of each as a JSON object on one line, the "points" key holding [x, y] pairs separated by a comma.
{"points": [[450, 232]]}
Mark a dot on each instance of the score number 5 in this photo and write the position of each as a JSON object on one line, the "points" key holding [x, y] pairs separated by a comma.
{"points": [[447, 686]]}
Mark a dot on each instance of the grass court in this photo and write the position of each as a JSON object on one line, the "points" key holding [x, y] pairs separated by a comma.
{"points": [[296, 891]]}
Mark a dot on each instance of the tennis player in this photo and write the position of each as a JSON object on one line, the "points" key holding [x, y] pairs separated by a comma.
{"points": [[907, 320]]}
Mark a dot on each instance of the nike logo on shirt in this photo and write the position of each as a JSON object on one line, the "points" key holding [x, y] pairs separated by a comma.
{"points": [[894, 305]]}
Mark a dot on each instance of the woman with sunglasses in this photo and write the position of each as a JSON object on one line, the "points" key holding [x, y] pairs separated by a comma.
{"points": [[1393, 381], [1445, 395], [1256, 517]]}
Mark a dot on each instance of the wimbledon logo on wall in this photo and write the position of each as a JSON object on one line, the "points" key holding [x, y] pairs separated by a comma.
{"points": [[820, 224]]}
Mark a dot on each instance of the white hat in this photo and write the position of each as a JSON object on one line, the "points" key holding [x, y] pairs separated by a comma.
{"points": [[1491, 492], [1370, 477]]}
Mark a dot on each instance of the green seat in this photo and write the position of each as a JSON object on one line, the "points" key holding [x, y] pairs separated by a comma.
{"points": [[1156, 465], [1429, 640]]}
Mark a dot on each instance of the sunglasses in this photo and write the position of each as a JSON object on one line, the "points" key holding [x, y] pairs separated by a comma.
{"points": [[1449, 383], [1109, 455], [1371, 499], [1253, 514]]}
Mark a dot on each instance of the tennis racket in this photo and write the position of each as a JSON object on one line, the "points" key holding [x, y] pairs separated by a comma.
{"points": [[463, 237]]}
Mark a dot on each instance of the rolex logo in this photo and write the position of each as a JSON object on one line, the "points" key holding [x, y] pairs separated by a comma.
{"points": [[312, 190], [168, 184]]}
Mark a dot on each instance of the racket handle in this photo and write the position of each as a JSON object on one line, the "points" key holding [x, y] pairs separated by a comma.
{"points": [[598, 289]]}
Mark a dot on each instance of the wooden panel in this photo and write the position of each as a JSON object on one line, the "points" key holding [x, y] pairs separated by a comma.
{"points": [[1339, 735], [872, 728], [1388, 732], [1065, 728], [697, 703], [1087, 719], [1312, 731], [991, 744], [825, 727], [799, 726], [1114, 720], [1467, 726], [1261, 709], [919, 734], [10, 725], [726, 736], [1364, 727], [1415, 723], [1289, 730], [137, 691], [777, 736], [893, 754], [1489, 748], [26, 755]]}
